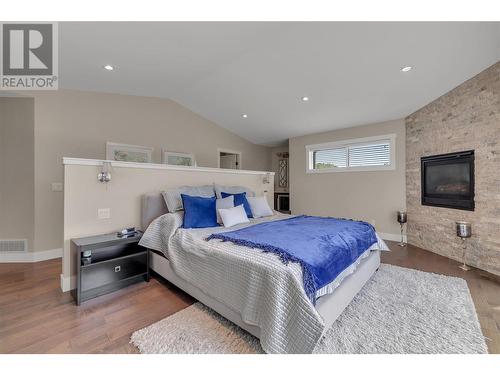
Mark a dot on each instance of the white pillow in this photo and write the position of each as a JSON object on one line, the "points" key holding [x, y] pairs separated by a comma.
{"points": [[259, 207], [223, 203], [233, 216]]}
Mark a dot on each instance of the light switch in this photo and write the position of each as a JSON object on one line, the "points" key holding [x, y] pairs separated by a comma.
{"points": [[103, 213], [57, 186]]}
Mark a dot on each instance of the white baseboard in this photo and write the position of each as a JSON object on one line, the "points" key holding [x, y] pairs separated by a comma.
{"points": [[68, 283], [392, 237], [30, 256]]}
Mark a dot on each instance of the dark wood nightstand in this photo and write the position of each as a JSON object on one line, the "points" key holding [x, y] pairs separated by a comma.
{"points": [[115, 262]]}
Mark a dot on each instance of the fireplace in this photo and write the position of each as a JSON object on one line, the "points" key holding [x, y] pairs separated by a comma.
{"points": [[448, 180]]}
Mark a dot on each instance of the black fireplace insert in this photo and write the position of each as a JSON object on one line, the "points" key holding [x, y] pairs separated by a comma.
{"points": [[448, 180]]}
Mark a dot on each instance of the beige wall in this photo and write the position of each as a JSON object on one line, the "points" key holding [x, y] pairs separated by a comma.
{"points": [[17, 169], [371, 196], [466, 118], [78, 124], [83, 195]]}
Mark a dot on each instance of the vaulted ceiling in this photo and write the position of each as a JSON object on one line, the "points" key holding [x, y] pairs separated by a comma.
{"points": [[351, 71]]}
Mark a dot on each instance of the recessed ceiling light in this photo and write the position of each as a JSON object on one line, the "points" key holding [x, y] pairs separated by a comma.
{"points": [[406, 69], [109, 67], [244, 115], [305, 98]]}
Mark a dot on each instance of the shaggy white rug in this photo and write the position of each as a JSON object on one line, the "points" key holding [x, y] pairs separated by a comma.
{"points": [[399, 310]]}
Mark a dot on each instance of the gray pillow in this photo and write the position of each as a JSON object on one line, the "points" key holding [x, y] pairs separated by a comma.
{"points": [[173, 198], [232, 190]]}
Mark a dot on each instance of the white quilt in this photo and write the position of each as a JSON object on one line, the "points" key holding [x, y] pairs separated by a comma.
{"points": [[266, 292]]}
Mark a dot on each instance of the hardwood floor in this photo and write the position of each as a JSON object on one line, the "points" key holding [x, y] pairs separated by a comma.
{"points": [[36, 317]]}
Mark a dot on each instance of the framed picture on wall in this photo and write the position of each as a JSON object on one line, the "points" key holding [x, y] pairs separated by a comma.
{"points": [[132, 153], [178, 158]]}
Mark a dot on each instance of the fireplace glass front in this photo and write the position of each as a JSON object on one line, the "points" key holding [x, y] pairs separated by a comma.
{"points": [[448, 180]]}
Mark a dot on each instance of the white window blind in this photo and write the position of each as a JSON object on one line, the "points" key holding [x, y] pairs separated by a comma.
{"points": [[357, 154], [371, 154]]}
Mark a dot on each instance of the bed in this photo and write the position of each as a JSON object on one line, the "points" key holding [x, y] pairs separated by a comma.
{"points": [[250, 288]]}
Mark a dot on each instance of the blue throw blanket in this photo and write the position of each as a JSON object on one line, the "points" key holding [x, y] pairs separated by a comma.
{"points": [[323, 246]]}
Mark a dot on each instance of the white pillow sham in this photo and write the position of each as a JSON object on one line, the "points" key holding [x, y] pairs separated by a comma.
{"points": [[232, 216], [172, 196], [223, 203], [259, 207]]}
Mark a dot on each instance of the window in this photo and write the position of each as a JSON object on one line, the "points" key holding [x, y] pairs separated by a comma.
{"points": [[330, 158], [363, 154]]}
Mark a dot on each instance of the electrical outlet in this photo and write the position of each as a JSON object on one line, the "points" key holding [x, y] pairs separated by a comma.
{"points": [[57, 186], [104, 213]]}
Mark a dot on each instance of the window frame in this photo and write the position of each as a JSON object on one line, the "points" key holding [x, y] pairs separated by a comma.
{"points": [[310, 149]]}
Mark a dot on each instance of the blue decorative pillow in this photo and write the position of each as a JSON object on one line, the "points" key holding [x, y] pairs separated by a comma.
{"points": [[199, 212], [240, 198]]}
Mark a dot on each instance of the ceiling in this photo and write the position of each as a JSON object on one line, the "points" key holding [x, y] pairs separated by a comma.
{"points": [[349, 70]]}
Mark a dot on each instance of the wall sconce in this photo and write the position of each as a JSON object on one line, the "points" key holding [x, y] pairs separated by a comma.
{"points": [[104, 175], [267, 178]]}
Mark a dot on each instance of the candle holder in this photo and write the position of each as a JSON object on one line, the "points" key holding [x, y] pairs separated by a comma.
{"points": [[464, 231], [402, 218]]}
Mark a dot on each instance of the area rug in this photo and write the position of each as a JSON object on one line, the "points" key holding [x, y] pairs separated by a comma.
{"points": [[399, 310]]}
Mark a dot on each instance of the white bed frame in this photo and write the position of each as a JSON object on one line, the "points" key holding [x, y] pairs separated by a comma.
{"points": [[329, 306]]}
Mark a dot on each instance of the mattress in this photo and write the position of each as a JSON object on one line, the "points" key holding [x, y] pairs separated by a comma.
{"points": [[158, 243]]}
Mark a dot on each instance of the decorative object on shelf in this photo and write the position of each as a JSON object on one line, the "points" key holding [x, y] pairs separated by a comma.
{"points": [[402, 219], [464, 231], [127, 232], [178, 158], [283, 155], [87, 257], [131, 153], [105, 175], [283, 173]]}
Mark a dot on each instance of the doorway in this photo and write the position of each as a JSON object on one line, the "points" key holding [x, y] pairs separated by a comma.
{"points": [[228, 159]]}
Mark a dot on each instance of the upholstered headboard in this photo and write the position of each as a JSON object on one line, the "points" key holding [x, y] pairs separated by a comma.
{"points": [[152, 206]]}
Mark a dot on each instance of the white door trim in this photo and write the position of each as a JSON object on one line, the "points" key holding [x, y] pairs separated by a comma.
{"points": [[239, 153]]}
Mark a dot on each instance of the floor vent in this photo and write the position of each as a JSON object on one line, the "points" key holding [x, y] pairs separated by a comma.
{"points": [[13, 246]]}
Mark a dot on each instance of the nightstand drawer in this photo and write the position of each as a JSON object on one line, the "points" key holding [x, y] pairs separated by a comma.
{"points": [[113, 270]]}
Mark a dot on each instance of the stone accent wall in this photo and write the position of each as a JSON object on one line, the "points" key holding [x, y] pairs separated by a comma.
{"points": [[466, 118]]}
